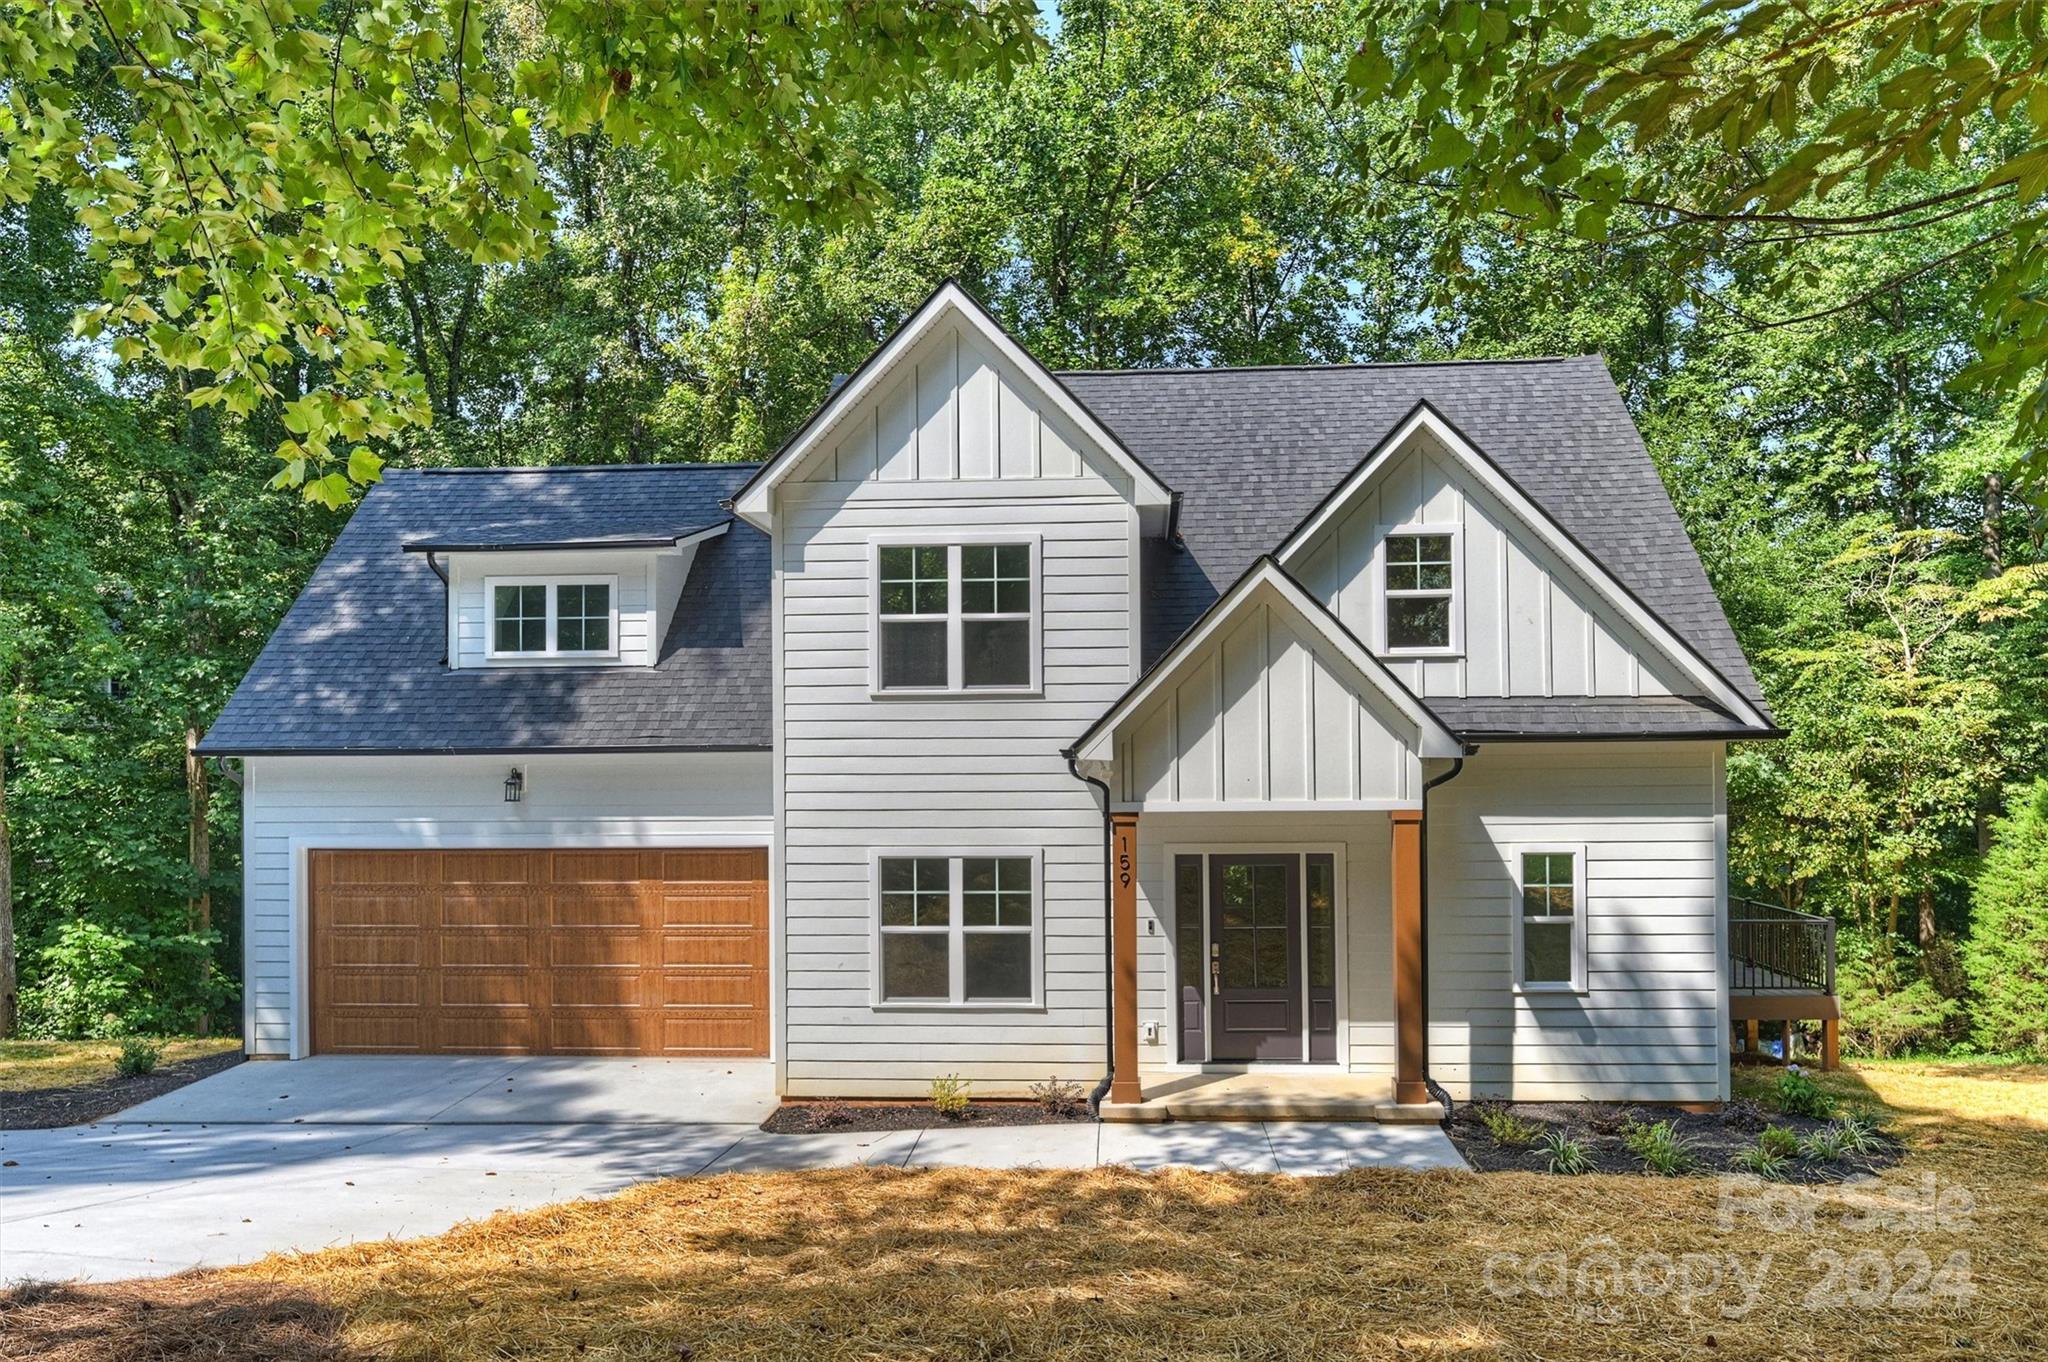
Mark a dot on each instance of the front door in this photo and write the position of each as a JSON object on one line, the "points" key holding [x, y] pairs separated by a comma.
{"points": [[1255, 957]]}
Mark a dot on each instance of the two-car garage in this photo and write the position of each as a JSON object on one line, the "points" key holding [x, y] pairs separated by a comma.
{"points": [[550, 950]]}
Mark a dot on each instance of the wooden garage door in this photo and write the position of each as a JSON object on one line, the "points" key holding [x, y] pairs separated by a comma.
{"points": [[561, 952]]}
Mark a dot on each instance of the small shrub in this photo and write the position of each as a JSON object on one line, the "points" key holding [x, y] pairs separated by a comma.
{"points": [[1801, 1096], [1762, 1160], [828, 1114], [949, 1096], [1566, 1155], [139, 1055], [1509, 1131], [1826, 1144], [1058, 1096], [1862, 1133], [1661, 1148], [1781, 1141]]}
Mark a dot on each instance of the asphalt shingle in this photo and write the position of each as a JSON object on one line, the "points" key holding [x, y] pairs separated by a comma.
{"points": [[356, 664], [1253, 451]]}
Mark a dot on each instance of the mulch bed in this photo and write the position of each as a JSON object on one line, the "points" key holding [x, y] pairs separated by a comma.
{"points": [[1713, 1139], [190, 1317], [47, 1108], [820, 1118]]}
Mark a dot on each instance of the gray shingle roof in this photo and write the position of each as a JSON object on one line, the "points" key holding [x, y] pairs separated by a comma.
{"points": [[356, 664], [1253, 451], [1481, 719]]}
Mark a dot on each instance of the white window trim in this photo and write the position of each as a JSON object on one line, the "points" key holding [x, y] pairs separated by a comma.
{"points": [[553, 584], [956, 929], [955, 683], [1456, 533], [1582, 910]]}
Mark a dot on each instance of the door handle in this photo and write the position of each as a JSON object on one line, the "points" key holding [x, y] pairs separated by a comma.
{"points": [[1215, 969]]}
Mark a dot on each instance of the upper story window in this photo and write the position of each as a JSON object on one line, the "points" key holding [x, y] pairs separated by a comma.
{"points": [[542, 617], [1550, 918], [1421, 592], [956, 617]]}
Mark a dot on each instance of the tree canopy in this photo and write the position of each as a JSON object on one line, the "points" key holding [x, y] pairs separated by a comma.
{"points": [[1157, 182]]}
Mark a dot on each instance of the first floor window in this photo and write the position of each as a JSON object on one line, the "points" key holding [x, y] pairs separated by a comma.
{"points": [[958, 929], [1419, 592], [552, 619], [1552, 919]]}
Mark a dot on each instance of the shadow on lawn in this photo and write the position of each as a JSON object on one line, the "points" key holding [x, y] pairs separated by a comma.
{"points": [[176, 1318]]}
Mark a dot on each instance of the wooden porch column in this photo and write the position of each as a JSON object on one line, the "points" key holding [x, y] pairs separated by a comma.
{"points": [[1123, 918], [1408, 1019]]}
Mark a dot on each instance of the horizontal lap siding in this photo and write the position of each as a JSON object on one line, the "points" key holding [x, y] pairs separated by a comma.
{"points": [[360, 801], [861, 774], [1649, 1025]]}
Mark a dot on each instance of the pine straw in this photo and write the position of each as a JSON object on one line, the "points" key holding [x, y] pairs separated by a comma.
{"points": [[871, 1264]]}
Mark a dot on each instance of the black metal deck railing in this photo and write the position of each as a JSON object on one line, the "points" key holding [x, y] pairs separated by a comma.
{"points": [[1772, 949]]}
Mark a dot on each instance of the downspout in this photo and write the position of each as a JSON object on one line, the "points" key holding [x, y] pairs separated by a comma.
{"points": [[1435, 1088], [1108, 943], [444, 604]]}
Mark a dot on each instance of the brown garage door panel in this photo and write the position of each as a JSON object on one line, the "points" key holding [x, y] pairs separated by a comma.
{"points": [[570, 951]]}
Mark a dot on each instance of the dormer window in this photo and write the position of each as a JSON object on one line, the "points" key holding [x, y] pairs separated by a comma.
{"points": [[1421, 595], [541, 617]]}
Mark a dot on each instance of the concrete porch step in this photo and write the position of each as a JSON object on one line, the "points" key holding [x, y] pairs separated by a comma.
{"points": [[1269, 1097]]}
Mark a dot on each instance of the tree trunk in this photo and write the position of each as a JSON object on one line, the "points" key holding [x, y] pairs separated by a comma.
{"points": [[1926, 917], [9, 983], [1994, 512]]}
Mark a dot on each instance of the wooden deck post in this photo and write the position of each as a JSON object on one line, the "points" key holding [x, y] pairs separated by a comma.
{"points": [[1830, 1043], [1751, 1040], [1123, 856], [1406, 860]]}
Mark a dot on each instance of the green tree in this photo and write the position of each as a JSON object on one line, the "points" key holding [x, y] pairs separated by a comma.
{"points": [[2007, 954], [272, 163]]}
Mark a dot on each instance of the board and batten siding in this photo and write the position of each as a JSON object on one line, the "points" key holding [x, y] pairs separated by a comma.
{"points": [[294, 804], [648, 586], [1266, 713], [1531, 626], [1652, 1023], [862, 774]]}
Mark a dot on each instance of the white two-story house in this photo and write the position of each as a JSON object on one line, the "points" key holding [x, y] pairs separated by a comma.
{"points": [[1359, 722]]}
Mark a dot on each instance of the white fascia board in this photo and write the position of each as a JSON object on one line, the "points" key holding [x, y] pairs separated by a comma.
{"points": [[1267, 582], [754, 503], [1424, 419]]}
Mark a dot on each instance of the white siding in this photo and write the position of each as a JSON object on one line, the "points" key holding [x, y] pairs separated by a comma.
{"points": [[642, 612], [1531, 625], [1650, 1024], [952, 409], [861, 774], [293, 804], [1267, 713]]}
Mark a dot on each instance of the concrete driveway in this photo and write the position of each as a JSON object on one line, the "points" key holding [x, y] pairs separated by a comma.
{"points": [[270, 1157]]}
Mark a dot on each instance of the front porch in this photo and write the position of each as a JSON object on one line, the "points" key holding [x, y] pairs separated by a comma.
{"points": [[1302, 1095]]}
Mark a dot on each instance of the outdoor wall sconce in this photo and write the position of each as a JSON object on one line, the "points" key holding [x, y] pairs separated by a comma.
{"points": [[515, 786]]}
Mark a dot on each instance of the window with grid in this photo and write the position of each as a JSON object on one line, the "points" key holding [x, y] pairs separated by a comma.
{"points": [[531, 618], [1419, 591], [958, 929], [519, 619], [1552, 920], [955, 617]]}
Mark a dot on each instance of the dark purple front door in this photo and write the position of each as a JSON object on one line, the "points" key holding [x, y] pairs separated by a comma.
{"points": [[1255, 957]]}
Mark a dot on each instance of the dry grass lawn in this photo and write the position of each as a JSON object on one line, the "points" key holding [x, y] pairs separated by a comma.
{"points": [[869, 1265], [30, 1064]]}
